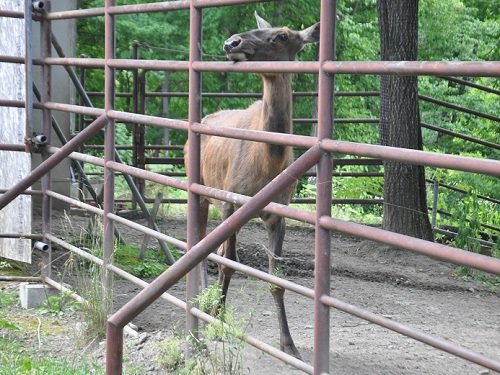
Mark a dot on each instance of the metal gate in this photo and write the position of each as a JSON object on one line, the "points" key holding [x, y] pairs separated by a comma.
{"points": [[319, 150]]}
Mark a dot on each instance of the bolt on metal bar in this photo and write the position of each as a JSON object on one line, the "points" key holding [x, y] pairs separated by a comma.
{"points": [[52, 161]]}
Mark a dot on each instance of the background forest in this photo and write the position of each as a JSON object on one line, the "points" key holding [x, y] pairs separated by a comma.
{"points": [[461, 30]]}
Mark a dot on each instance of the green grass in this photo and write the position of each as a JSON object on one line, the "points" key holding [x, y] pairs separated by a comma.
{"points": [[127, 257], [16, 359], [8, 299]]}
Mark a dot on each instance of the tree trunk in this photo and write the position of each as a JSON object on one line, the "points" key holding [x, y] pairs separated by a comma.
{"points": [[405, 203]]}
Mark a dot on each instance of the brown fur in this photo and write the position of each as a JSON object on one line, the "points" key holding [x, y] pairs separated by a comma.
{"points": [[245, 167]]}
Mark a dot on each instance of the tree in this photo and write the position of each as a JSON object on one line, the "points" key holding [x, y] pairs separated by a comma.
{"points": [[405, 203]]}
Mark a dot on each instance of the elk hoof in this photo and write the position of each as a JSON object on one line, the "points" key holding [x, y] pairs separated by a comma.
{"points": [[292, 350]]}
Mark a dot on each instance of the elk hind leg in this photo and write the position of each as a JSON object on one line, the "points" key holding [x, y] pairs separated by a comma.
{"points": [[275, 226]]}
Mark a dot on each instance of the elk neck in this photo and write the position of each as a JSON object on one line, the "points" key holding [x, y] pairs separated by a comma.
{"points": [[276, 115]]}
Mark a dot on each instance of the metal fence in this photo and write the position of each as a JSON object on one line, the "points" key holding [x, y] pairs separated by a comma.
{"points": [[319, 150]]}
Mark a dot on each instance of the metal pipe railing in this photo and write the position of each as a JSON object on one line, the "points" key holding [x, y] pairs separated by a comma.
{"points": [[196, 254]]}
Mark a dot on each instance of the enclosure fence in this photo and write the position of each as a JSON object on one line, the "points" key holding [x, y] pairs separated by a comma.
{"points": [[319, 151]]}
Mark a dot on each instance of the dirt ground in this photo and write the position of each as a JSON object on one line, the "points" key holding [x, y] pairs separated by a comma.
{"points": [[408, 288]]}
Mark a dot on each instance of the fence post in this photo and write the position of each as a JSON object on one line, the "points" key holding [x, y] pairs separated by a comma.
{"points": [[194, 116], [109, 147], [322, 267], [435, 203]]}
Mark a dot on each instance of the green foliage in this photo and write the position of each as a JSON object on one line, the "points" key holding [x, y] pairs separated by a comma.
{"points": [[448, 30], [59, 303], [8, 298], [17, 359], [217, 351]]}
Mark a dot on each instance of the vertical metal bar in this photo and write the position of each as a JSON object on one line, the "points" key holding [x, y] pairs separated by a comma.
{"points": [[46, 51], [322, 269], [141, 141], [81, 125], [193, 220], [135, 109], [109, 147], [435, 203], [28, 68]]}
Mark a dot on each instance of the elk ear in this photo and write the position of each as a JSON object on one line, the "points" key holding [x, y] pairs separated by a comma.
{"points": [[261, 22], [311, 34]]}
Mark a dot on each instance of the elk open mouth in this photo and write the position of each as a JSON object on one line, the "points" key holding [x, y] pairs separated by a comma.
{"points": [[237, 56]]}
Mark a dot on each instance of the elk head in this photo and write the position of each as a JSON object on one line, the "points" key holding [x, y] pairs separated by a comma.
{"points": [[269, 43]]}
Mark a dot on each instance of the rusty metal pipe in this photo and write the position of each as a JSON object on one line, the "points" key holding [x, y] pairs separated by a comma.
{"points": [[53, 160], [322, 238], [427, 68], [460, 163], [147, 175], [150, 120], [301, 141], [450, 254]]}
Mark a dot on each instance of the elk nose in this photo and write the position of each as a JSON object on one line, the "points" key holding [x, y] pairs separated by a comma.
{"points": [[231, 43]]}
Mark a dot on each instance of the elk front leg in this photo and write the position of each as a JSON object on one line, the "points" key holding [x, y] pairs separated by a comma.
{"points": [[275, 226], [227, 250]]}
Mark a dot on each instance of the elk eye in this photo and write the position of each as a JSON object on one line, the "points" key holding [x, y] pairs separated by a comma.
{"points": [[283, 37]]}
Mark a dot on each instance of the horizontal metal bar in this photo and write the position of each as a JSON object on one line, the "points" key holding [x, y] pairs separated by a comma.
{"points": [[25, 279], [75, 14], [454, 188], [460, 108], [450, 254], [472, 84], [427, 68], [75, 202], [147, 175], [80, 157], [26, 192], [416, 334], [465, 68], [454, 234], [239, 199], [150, 232], [28, 236], [461, 136], [82, 110], [461, 163], [11, 13], [150, 120], [300, 141], [257, 66], [170, 65], [12, 147]]}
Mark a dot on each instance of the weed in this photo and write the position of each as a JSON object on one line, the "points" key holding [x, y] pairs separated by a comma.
{"points": [[8, 299], [59, 303]]}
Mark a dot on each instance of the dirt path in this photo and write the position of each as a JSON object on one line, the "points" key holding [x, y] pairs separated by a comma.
{"points": [[408, 288]]}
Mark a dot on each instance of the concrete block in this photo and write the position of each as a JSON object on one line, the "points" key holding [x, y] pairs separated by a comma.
{"points": [[34, 295]]}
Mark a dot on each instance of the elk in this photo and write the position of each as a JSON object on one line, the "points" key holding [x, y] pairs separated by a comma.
{"points": [[244, 167]]}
